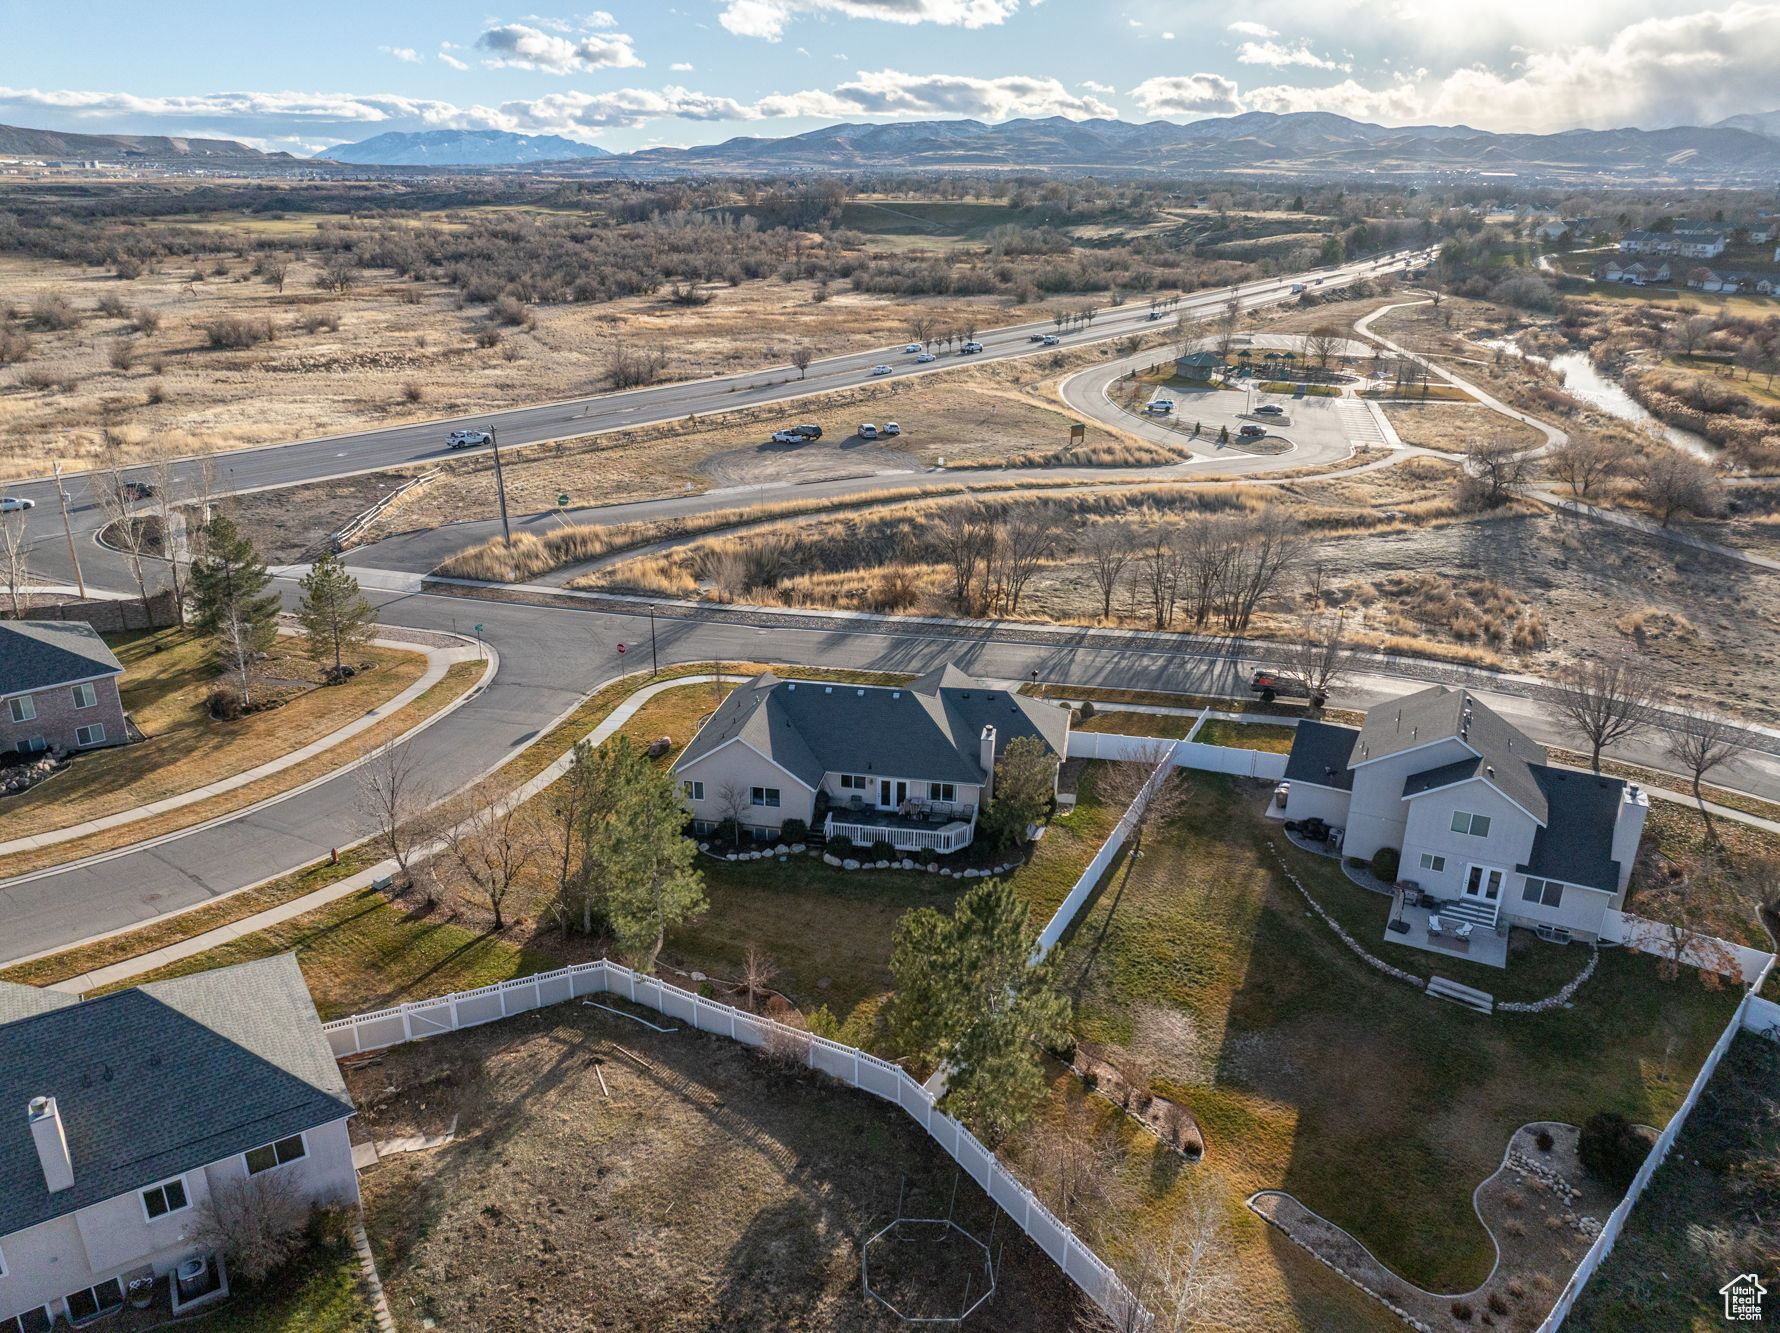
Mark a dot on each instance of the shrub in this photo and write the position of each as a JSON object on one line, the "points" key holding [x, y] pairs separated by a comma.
{"points": [[413, 391], [123, 354], [1498, 1303], [157, 393], [55, 312], [1611, 1149], [727, 830], [793, 830], [840, 845], [881, 850], [488, 336], [225, 705], [1461, 1311], [1544, 1140], [1087, 714], [1386, 861], [235, 333]]}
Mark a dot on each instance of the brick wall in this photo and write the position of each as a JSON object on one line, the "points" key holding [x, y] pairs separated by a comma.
{"points": [[112, 617], [57, 718]]}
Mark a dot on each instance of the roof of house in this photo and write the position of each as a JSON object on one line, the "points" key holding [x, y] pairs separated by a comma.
{"points": [[1503, 752], [18, 1001], [929, 729], [1320, 754], [1576, 843], [42, 653], [1198, 359], [162, 1079]]}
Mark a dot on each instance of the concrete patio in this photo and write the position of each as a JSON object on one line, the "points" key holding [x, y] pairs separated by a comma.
{"points": [[1483, 946]]}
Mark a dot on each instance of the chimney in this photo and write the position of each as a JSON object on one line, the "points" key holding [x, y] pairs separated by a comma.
{"points": [[986, 757], [52, 1143]]}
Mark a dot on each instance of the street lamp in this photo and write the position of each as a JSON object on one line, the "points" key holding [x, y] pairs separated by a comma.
{"points": [[500, 487], [1035, 680], [654, 664]]}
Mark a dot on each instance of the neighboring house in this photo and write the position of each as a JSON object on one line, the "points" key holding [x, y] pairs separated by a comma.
{"points": [[119, 1115], [1639, 272], [1197, 365], [1760, 232], [1481, 820], [58, 689], [1717, 280], [1577, 229], [1689, 243], [912, 764]]}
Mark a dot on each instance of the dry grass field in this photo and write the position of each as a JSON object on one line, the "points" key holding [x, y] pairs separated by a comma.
{"points": [[1452, 426], [607, 1176], [384, 352]]}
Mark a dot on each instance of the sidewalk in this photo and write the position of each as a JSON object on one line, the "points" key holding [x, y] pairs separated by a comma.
{"points": [[439, 661], [272, 916]]}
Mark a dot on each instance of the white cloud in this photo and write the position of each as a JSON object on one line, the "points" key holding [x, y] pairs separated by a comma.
{"points": [[452, 60], [406, 54], [345, 107], [1272, 53], [1187, 95], [1398, 104], [1248, 28], [1168, 37], [680, 67], [890, 92], [769, 18], [1093, 87], [598, 18], [522, 47], [565, 113]]}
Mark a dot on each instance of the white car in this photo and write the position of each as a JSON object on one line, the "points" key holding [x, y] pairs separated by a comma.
{"points": [[925, 357], [1162, 405], [912, 347], [891, 428], [12, 504], [787, 437], [880, 370], [468, 439]]}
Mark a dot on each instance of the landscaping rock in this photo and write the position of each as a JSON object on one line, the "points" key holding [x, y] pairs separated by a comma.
{"points": [[798, 849], [781, 850], [850, 864], [830, 859]]}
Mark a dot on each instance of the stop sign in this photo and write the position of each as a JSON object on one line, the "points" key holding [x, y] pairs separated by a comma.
{"points": [[621, 650]]}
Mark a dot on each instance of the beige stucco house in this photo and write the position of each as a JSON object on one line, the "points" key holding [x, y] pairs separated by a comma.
{"points": [[912, 765], [1481, 820], [120, 1115]]}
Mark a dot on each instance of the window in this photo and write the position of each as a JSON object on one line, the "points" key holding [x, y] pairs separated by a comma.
{"points": [[1432, 862], [95, 1301], [275, 1154], [33, 1320], [763, 796], [1545, 892], [852, 780], [167, 1197], [23, 708], [90, 735], [941, 791], [696, 790], [37, 743], [1478, 826], [85, 696]]}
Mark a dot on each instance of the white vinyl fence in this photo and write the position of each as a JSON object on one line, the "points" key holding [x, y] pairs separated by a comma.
{"points": [[1603, 1246], [447, 1013], [1187, 754], [1651, 937]]}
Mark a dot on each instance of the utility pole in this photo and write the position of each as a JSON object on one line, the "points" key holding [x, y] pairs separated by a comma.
{"points": [[68, 532], [654, 664], [500, 489]]}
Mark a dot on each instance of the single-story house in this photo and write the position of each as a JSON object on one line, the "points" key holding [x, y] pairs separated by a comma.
{"points": [[911, 764], [58, 687], [1718, 280], [1639, 272], [1577, 229], [1760, 232], [1480, 819], [119, 1116]]}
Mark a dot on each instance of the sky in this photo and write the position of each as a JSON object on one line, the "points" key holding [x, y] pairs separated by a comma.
{"points": [[303, 77]]}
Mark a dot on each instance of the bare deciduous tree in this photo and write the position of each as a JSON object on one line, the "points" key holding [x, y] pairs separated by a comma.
{"points": [[1495, 472], [123, 525], [493, 841], [1607, 700], [1028, 539], [758, 971], [1585, 462], [801, 356], [1323, 343], [1320, 653], [1270, 544], [255, 1221], [732, 802], [1686, 335], [1124, 783], [1687, 918], [1700, 743], [1677, 483], [965, 536], [396, 799], [1157, 557], [1109, 548], [15, 563]]}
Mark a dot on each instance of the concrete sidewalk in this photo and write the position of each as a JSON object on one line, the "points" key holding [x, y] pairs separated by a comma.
{"points": [[234, 930], [439, 661]]}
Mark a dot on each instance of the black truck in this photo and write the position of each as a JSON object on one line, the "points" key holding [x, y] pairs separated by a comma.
{"points": [[1270, 685]]}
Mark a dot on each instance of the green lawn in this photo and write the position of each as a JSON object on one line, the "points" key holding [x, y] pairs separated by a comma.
{"points": [[1376, 1106], [317, 1290], [1247, 735], [1123, 723], [1664, 1274]]}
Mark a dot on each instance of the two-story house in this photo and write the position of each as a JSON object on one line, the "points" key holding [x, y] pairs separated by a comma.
{"points": [[121, 1114], [58, 687], [1481, 820], [910, 764]]}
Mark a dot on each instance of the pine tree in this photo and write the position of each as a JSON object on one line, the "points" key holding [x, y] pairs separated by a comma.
{"points": [[967, 998], [335, 616], [230, 602], [636, 849]]}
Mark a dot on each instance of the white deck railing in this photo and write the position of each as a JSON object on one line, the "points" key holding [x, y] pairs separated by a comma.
{"points": [[951, 837]]}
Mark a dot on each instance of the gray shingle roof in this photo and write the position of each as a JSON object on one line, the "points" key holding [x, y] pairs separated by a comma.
{"points": [[18, 1001], [36, 654], [928, 729], [1438, 713], [163, 1079], [1576, 844], [1320, 754]]}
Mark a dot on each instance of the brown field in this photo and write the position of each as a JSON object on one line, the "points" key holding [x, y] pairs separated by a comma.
{"points": [[1452, 426]]}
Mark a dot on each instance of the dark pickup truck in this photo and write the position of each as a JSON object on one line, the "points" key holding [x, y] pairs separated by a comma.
{"points": [[1270, 685]]}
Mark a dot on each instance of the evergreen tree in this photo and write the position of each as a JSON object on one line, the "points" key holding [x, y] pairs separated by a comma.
{"points": [[334, 614], [966, 998], [230, 602], [636, 851], [1025, 783]]}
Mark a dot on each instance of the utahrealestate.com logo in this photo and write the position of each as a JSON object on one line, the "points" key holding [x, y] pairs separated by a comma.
{"points": [[1742, 1297]]}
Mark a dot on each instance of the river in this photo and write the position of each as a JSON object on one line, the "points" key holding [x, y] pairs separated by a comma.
{"points": [[1584, 381]]}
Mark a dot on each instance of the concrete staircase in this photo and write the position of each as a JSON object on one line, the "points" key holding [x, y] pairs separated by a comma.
{"points": [[1482, 1001], [1469, 909]]}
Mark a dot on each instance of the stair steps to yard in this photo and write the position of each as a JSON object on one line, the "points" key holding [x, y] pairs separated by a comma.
{"points": [[1482, 1001], [1468, 909]]}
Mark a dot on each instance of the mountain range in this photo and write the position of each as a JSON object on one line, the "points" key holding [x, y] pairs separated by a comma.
{"points": [[16, 141], [460, 148]]}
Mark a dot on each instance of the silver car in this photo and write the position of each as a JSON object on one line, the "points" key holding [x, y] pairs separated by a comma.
{"points": [[13, 504]]}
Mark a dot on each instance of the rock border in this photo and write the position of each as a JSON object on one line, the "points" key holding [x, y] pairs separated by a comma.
{"points": [[780, 851]]}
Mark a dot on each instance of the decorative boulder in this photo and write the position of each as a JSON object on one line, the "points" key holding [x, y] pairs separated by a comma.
{"points": [[850, 864], [933, 868], [830, 859], [781, 850], [797, 849]]}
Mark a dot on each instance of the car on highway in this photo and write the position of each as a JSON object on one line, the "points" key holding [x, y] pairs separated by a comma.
{"points": [[1155, 314], [925, 357], [973, 345], [1251, 431], [912, 347], [880, 370], [468, 439], [1270, 410], [137, 490], [891, 428], [12, 504], [1051, 340], [1035, 337]]}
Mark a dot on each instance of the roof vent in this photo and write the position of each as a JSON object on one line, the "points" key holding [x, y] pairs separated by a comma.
{"points": [[860, 693], [791, 685], [1489, 770], [896, 694], [828, 689]]}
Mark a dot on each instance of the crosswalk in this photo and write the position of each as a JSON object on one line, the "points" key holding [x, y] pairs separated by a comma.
{"points": [[1361, 422]]}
